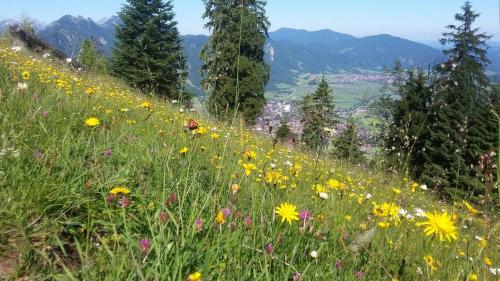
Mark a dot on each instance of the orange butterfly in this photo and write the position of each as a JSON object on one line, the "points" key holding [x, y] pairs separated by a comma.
{"points": [[192, 124]]}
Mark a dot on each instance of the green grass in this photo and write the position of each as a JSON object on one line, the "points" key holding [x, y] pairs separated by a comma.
{"points": [[346, 95], [55, 182]]}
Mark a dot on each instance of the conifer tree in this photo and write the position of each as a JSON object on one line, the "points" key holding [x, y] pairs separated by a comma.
{"points": [[283, 130], [347, 146], [90, 58], [406, 135], [234, 72], [462, 127], [318, 114], [148, 52]]}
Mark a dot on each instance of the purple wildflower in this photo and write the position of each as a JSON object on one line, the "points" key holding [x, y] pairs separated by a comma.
{"points": [[145, 245], [305, 215], [107, 152], [198, 224], [269, 249]]}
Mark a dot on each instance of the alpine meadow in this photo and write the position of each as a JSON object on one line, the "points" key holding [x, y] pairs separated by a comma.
{"points": [[132, 151]]}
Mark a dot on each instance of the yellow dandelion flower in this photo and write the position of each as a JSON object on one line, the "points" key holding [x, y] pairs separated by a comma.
{"points": [[473, 277], [440, 225], [90, 91], [146, 104], [488, 261], [287, 212], [470, 208], [431, 262], [26, 75], [119, 190], [183, 150], [92, 122], [194, 276], [214, 136], [220, 218], [249, 167]]}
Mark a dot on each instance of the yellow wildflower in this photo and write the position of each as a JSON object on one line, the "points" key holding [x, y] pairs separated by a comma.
{"points": [[92, 122], [440, 225], [287, 212], [119, 190]]}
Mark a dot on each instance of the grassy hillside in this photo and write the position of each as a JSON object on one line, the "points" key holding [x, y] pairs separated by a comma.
{"points": [[98, 182]]}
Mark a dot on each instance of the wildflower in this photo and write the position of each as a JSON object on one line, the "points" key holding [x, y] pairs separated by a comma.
{"points": [[171, 200], [487, 261], [360, 274], [431, 262], [250, 154], [92, 122], [69, 60], [164, 217], [314, 254], [323, 195], [183, 150], [124, 202], [470, 208], [441, 225], [26, 75], [383, 224], [296, 276], [338, 264], [201, 131], [145, 245], [386, 210], [305, 215], [227, 212], [249, 167], [90, 91], [482, 241], [22, 86], [397, 191], [248, 221], [198, 224], [107, 152], [473, 277], [119, 190], [146, 105], [348, 218], [269, 249], [420, 213], [214, 136], [423, 187], [220, 218], [234, 188], [333, 184], [194, 276], [495, 271], [287, 212]]}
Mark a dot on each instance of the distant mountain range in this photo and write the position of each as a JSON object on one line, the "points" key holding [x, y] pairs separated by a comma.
{"points": [[290, 52]]}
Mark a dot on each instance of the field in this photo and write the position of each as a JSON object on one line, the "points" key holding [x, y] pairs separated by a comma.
{"points": [[347, 94], [99, 182]]}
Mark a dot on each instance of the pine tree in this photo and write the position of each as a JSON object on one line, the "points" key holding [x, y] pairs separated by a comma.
{"points": [[407, 133], [90, 58], [318, 113], [463, 128], [234, 72], [347, 146], [148, 52], [283, 130]]}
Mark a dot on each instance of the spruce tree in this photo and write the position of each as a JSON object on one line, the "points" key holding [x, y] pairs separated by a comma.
{"points": [[461, 128], [283, 130], [410, 111], [148, 52], [347, 145], [234, 73], [90, 58], [318, 114]]}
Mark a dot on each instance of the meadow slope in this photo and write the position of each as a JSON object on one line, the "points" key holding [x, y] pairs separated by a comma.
{"points": [[98, 182]]}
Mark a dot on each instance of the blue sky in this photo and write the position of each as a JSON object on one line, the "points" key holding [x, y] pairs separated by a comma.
{"points": [[421, 20]]}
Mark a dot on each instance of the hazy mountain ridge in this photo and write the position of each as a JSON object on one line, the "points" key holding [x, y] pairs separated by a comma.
{"points": [[288, 51]]}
